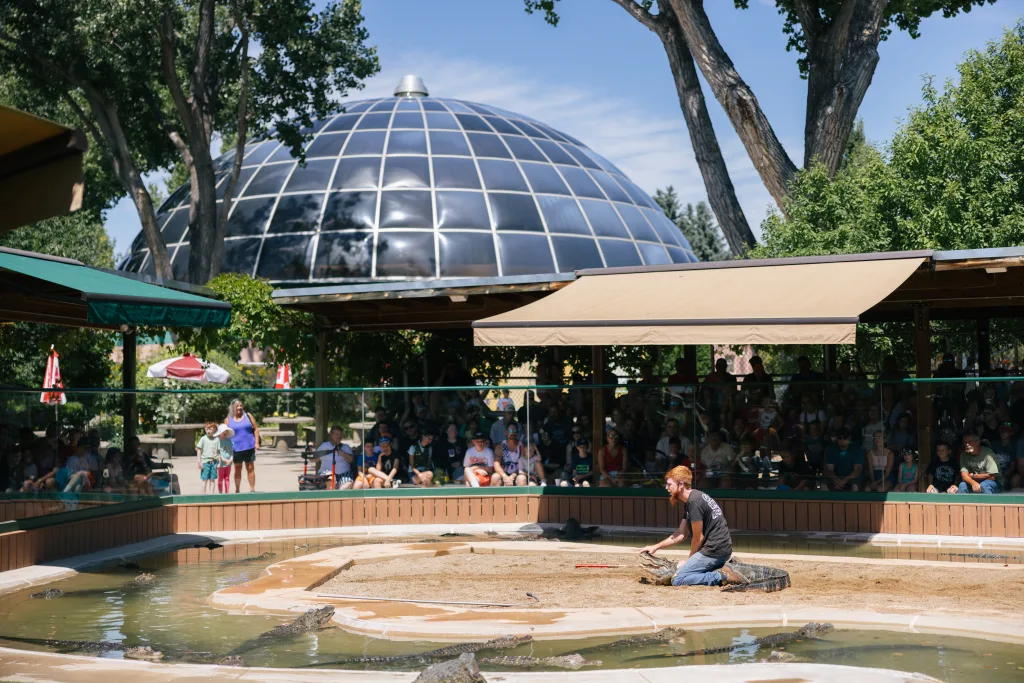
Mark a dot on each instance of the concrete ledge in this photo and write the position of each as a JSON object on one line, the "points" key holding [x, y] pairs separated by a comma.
{"points": [[23, 665]]}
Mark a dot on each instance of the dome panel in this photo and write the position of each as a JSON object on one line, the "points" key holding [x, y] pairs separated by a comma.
{"points": [[417, 187]]}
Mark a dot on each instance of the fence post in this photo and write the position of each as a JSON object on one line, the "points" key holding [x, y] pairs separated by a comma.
{"points": [[923, 358], [320, 373]]}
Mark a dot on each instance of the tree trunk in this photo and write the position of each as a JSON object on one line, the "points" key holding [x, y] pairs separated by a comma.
{"points": [[721, 193], [128, 173], [763, 147], [841, 63], [242, 130], [202, 216]]}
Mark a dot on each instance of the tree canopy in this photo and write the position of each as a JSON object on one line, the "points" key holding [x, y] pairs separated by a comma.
{"points": [[951, 178], [153, 82]]}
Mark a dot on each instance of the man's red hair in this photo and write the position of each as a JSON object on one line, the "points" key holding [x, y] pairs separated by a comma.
{"points": [[682, 476]]}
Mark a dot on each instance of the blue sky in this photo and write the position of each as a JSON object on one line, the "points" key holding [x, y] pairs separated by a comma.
{"points": [[603, 78]]}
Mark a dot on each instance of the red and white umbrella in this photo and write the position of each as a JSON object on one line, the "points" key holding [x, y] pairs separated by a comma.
{"points": [[52, 380], [188, 368], [284, 377]]}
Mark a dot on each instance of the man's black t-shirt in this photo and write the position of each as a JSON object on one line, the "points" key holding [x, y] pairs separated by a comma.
{"points": [[792, 475], [449, 454], [945, 473], [551, 453], [702, 508]]}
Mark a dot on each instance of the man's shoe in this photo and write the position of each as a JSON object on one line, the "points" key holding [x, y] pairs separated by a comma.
{"points": [[731, 577]]}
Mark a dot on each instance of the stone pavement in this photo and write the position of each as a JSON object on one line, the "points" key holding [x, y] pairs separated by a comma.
{"points": [[275, 471]]}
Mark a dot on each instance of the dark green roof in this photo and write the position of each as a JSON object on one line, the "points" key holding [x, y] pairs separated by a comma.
{"points": [[39, 288]]}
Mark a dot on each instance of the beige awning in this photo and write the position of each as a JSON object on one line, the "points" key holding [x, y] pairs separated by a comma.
{"points": [[40, 169], [780, 301]]}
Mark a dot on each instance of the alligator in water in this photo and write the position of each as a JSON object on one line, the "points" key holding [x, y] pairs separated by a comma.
{"points": [[811, 630], [516, 537], [209, 546], [461, 670], [255, 558], [315, 619], [986, 556], [755, 576], [140, 581], [661, 637], [573, 661], [133, 652], [502, 643], [574, 531], [145, 652]]}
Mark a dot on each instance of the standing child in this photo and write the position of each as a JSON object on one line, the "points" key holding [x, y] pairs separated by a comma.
{"points": [[505, 402], [227, 454], [208, 456], [907, 477]]}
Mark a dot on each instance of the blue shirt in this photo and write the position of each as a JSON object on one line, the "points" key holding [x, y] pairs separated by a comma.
{"points": [[844, 461]]}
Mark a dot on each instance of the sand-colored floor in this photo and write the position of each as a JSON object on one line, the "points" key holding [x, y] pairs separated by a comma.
{"points": [[553, 578]]}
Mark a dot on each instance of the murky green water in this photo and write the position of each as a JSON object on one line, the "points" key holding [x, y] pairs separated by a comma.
{"points": [[174, 614]]}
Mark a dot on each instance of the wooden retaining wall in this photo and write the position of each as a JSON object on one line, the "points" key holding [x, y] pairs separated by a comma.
{"points": [[368, 511], [23, 509], [940, 518], [24, 548]]}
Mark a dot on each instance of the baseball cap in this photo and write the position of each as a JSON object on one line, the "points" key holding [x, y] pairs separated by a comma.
{"points": [[580, 442], [478, 435], [510, 409], [383, 440]]}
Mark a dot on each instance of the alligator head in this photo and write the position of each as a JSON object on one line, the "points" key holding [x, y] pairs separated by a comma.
{"points": [[317, 619], [815, 629]]}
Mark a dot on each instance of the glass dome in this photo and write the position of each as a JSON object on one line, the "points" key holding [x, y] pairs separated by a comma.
{"points": [[413, 187]]}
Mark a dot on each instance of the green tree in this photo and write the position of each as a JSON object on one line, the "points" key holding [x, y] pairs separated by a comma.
{"points": [[153, 82], [837, 41], [951, 178], [696, 223]]}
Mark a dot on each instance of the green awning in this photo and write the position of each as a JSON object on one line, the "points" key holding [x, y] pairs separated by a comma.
{"points": [[39, 288]]}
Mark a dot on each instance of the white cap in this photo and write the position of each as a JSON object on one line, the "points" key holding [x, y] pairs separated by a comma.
{"points": [[224, 430]]}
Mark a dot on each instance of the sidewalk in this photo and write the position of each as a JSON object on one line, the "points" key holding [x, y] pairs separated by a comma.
{"points": [[275, 471]]}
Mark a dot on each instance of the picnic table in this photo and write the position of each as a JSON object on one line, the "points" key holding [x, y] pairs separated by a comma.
{"points": [[185, 437], [283, 424]]}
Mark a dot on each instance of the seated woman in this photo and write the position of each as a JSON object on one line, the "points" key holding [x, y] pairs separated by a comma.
{"points": [[612, 461], [878, 462]]}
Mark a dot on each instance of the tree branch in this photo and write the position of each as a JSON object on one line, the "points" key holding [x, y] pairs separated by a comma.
{"points": [[809, 18], [167, 51], [642, 15], [732, 92]]}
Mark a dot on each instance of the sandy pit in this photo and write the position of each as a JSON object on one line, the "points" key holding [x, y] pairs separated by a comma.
{"points": [[552, 577]]}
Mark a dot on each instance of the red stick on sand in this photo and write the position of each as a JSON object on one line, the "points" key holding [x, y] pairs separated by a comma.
{"points": [[600, 566]]}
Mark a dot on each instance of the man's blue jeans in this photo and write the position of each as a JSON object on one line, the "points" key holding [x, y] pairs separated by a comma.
{"points": [[987, 486], [700, 570]]}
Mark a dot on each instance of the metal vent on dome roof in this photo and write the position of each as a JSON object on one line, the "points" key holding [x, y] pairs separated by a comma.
{"points": [[411, 86]]}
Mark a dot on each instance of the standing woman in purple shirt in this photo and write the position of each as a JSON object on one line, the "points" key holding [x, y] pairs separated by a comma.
{"points": [[245, 441]]}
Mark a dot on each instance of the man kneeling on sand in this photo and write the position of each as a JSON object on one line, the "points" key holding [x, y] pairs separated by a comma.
{"points": [[710, 544]]}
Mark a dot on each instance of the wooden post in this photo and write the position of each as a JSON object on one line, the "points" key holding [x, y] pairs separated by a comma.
{"points": [[984, 347], [129, 365], [320, 377], [597, 416], [923, 357]]}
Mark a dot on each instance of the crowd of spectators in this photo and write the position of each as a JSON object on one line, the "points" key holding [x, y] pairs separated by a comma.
{"points": [[810, 431], [71, 462]]}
